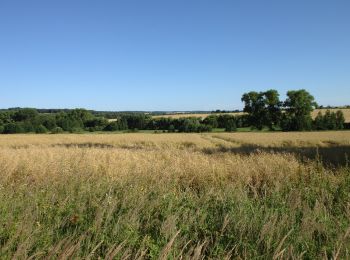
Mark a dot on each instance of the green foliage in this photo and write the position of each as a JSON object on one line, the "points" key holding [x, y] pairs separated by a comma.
{"points": [[6, 117], [28, 126], [273, 108], [57, 130], [229, 122], [329, 121], [318, 123], [263, 108], [119, 124], [231, 125], [136, 120], [25, 114], [40, 129], [211, 120], [188, 125], [171, 128], [96, 124], [254, 105], [49, 121], [298, 105], [76, 130], [340, 119], [13, 128], [67, 123]]}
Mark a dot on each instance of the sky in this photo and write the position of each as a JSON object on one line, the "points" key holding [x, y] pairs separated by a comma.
{"points": [[171, 54]]}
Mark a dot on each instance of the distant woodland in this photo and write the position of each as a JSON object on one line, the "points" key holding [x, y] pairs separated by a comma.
{"points": [[262, 111]]}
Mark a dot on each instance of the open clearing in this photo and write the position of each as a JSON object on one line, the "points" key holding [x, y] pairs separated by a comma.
{"points": [[346, 112], [137, 195]]}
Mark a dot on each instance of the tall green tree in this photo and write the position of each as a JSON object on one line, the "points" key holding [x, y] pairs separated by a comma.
{"points": [[25, 114], [330, 120], [319, 122], [254, 105], [273, 108], [298, 105], [211, 120], [263, 108], [340, 119]]}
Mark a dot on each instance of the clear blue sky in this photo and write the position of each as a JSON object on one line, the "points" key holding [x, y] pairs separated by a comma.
{"points": [[170, 54]]}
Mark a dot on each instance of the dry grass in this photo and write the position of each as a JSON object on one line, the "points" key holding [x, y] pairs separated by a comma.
{"points": [[314, 114], [150, 196], [296, 139]]}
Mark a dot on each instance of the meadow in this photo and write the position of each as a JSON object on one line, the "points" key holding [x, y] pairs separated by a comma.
{"points": [[169, 196]]}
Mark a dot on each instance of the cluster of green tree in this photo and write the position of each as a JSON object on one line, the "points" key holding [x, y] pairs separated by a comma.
{"points": [[106, 114], [217, 111], [195, 124], [30, 120], [189, 124], [265, 109], [329, 121], [331, 107], [77, 120]]}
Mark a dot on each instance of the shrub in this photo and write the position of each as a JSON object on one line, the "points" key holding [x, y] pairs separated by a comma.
{"points": [[76, 130], [13, 128], [231, 125], [57, 130], [171, 129], [40, 129]]}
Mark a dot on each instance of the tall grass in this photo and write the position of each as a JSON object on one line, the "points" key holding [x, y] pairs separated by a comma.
{"points": [[163, 196]]}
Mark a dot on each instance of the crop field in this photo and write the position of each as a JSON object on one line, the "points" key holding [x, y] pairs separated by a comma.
{"points": [[346, 112], [169, 196]]}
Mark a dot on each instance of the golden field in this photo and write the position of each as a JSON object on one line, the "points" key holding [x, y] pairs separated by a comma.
{"points": [[170, 196], [346, 112]]}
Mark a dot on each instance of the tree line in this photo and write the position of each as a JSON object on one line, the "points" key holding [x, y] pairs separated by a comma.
{"points": [[29, 120], [265, 109], [262, 110]]}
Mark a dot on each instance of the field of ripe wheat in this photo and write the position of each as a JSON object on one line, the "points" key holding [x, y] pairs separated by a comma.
{"points": [[169, 196]]}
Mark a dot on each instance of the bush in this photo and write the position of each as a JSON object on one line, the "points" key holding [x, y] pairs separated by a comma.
{"points": [[329, 121], [113, 126], [231, 125], [293, 123], [25, 114], [76, 130], [48, 121], [57, 130], [211, 120], [40, 129], [340, 119], [204, 128], [13, 128], [171, 129], [96, 124], [27, 126]]}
